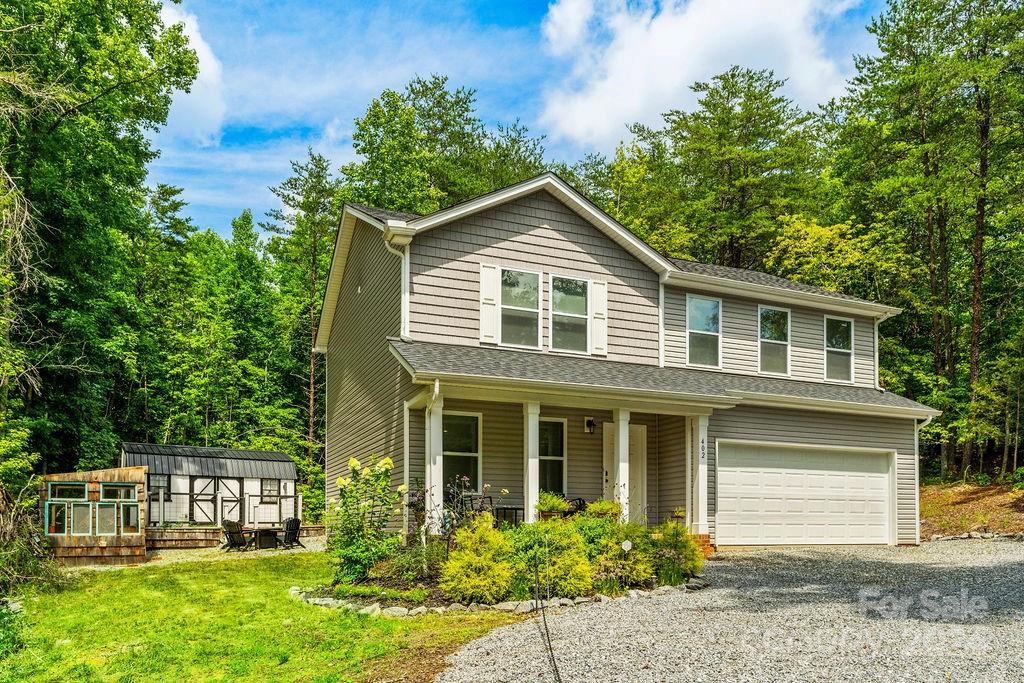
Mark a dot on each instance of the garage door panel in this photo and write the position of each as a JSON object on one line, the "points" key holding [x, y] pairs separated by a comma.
{"points": [[782, 495]]}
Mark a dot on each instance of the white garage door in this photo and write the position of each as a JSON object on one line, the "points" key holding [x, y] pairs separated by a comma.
{"points": [[792, 495]]}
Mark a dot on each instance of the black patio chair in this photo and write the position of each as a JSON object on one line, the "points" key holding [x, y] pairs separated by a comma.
{"points": [[291, 527], [576, 506], [235, 537]]}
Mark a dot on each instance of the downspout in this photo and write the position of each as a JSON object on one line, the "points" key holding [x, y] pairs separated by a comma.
{"points": [[878, 370], [397, 236]]}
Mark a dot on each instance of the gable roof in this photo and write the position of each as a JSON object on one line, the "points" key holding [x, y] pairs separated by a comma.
{"points": [[708, 277], [207, 462], [427, 361]]}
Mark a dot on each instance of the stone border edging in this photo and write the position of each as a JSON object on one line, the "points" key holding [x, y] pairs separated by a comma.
{"points": [[512, 606], [976, 535]]}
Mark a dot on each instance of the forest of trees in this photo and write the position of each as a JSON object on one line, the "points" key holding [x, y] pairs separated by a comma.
{"points": [[120, 320]]}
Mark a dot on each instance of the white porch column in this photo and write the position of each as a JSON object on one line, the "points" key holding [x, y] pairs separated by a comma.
{"points": [[620, 420], [699, 439], [690, 422], [531, 459], [435, 464]]}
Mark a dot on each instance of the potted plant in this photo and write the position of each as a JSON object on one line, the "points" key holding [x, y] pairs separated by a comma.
{"points": [[604, 508], [551, 505]]}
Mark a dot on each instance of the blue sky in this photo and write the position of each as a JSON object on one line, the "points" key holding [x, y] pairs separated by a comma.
{"points": [[277, 77]]}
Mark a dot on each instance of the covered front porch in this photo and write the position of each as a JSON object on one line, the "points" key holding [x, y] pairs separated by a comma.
{"points": [[648, 456]]}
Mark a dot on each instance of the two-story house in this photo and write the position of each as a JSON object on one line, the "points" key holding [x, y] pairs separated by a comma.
{"points": [[525, 341]]}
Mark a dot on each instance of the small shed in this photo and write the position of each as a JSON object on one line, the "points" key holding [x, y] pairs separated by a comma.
{"points": [[95, 517], [205, 486]]}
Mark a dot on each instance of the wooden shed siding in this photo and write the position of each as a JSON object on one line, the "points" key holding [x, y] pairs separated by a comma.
{"points": [[537, 233], [366, 386], [740, 338], [671, 465], [829, 429]]}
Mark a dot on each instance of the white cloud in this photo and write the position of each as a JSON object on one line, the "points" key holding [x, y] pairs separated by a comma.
{"points": [[197, 115], [638, 61]]}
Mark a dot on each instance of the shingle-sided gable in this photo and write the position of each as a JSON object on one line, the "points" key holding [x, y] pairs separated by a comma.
{"points": [[537, 232]]}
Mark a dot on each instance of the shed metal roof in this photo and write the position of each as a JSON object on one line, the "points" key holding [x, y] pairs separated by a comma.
{"points": [[207, 462]]}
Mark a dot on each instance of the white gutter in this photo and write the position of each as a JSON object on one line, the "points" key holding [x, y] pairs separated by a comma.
{"points": [[433, 396], [403, 254]]}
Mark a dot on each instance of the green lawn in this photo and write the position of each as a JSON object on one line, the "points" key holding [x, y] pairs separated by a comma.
{"points": [[230, 620]]}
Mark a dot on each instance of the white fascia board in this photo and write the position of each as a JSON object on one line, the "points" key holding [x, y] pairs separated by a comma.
{"points": [[824, 302], [830, 406], [555, 185]]}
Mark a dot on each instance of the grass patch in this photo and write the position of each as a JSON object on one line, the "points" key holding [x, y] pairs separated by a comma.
{"points": [[950, 509], [229, 620], [414, 595]]}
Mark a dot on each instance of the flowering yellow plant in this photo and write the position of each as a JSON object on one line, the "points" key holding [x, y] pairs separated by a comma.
{"points": [[386, 464], [403, 489], [353, 464], [343, 482]]}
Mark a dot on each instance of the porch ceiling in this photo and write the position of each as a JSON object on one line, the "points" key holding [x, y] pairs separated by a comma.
{"points": [[537, 371]]}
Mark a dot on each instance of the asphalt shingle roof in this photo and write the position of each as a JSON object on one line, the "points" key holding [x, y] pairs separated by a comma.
{"points": [[484, 362], [207, 462], [756, 277]]}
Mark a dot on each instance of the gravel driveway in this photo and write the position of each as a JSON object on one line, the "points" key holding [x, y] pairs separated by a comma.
{"points": [[790, 615]]}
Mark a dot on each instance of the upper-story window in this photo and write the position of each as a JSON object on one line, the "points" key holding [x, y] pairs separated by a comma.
{"points": [[570, 328], [773, 340], [703, 331], [520, 308], [838, 349]]}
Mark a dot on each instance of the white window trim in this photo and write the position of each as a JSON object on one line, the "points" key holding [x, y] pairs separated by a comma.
{"points": [[589, 317], [539, 310], [826, 348], [479, 446], [71, 516], [788, 342], [721, 324], [565, 451], [117, 515]]}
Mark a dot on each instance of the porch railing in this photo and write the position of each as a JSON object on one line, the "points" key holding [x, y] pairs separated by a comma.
{"points": [[167, 508]]}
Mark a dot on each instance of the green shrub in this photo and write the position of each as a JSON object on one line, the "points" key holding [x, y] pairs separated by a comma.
{"points": [[551, 502], [1017, 479], [356, 525], [554, 553], [616, 568], [479, 569], [677, 555], [595, 531], [11, 632], [412, 564], [603, 508], [982, 479], [348, 590]]}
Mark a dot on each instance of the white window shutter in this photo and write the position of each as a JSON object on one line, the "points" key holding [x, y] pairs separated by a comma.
{"points": [[599, 318], [490, 283]]}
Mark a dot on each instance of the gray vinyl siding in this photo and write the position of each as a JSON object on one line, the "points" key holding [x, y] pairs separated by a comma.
{"points": [[671, 465], [828, 429], [536, 233], [740, 338], [366, 386]]}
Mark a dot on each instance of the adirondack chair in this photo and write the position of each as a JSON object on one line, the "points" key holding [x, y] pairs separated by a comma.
{"points": [[576, 506], [234, 537], [291, 533]]}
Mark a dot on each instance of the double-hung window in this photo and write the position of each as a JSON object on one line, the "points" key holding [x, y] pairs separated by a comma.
{"points": [[461, 446], [552, 455], [838, 349], [773, 340], [570, 329], [520, 308], [703, 331]]}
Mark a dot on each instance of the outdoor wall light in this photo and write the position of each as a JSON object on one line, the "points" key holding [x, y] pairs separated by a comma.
{"points": [[589, 425]]}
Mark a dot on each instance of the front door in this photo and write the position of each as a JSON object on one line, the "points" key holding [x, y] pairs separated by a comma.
{"points": [[230, 499], [637, 469], [202, 502]]}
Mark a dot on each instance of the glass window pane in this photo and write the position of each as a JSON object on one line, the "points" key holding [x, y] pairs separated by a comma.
{"points": [[81, 518], [552, 439], [519, 327], [774, 358], [569, 296], [106, 519], [117, 492], [551, 476], [460, 433], [129, 518], [838, 366], [58, 519], [838, 334], [703, 315], [703, 349], [774, 325], [520, 289], [569, 334], [461, 471], [68, 491]]}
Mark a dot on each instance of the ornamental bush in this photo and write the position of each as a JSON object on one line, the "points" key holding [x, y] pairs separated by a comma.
{"points": [[554, 553], [677, 555], [617, 569], [479, 569], [357, 522], [551, 502]]}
